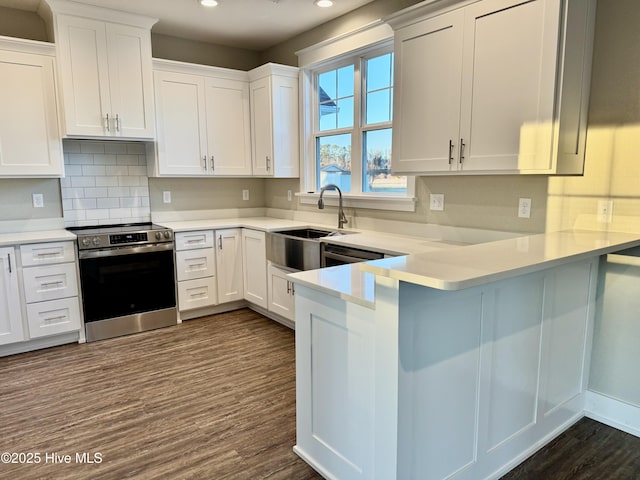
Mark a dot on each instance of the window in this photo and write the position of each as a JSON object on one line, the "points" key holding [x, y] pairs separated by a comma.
{"points": [[352, 124]]}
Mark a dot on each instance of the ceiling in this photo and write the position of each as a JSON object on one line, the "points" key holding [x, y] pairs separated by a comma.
{"points": [[250, 24]]}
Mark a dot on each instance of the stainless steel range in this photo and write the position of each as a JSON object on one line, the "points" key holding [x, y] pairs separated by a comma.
{"points": [[127, 278]]}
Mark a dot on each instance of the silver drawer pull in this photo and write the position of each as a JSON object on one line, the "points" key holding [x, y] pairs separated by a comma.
{"points": [[49, 284], [49, 254], [54, 319], [197, 240], [199, 294]]}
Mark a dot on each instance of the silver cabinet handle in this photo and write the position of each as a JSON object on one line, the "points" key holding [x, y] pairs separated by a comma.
{"points": [[462, 145], [220, 242], [204, 161], [9, 260], [108, 126], [213, 165], [288, 287], [268, 163], [117, 123], [450, 151]]}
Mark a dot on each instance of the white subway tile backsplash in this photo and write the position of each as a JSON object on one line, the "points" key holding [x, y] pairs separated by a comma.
{"points": [[97, 192], [119, 171], [108, 202], [115, 147], [139, 170], [80, 159], [93, 170], [105, 183], [119, 192], [84, 203], [83, 181], [127, 160], [92, 147], [100, 159]]}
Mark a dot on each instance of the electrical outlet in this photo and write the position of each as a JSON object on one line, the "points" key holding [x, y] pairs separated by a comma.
{"points": [[436, 201], [245, 194], [605, 211], [289, 195], [524, 208], [166, 196], [38, 200]]}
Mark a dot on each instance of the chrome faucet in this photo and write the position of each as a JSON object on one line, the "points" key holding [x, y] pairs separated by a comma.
{"points": [[341, 217]]}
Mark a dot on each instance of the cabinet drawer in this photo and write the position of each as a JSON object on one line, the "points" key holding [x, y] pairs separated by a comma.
{"points": [[191, 240], [50, 283], [53, 317], [192, 264], [46, 253], [197, 293]]}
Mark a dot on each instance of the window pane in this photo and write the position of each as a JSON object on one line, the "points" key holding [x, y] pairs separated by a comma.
{"points": [[379, 106], [345, 81], [377, 164], [333, 154], [379, 74], [345, 113], [327, 84], [328, 117]]}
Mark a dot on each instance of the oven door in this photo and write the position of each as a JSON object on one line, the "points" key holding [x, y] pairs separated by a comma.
{"points": [[126, 281]]}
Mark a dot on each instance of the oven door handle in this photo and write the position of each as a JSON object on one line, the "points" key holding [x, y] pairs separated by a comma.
{"points": [[112, 252]]}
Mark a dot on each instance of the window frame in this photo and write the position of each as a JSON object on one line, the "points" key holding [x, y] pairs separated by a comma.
{"points": [[310, 130]]}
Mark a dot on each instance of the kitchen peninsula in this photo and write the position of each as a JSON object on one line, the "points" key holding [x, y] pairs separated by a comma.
{"points": [[457, 363]]}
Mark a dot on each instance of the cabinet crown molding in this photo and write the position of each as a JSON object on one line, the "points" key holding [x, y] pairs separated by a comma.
{"points": [[67, 7], [27, 46], [273, 69]]}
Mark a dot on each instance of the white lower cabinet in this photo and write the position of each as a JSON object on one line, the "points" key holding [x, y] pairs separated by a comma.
{"points": [[11, 329], [281, 292], [229, 265], [198, 293], [196, 270], [50, 281], [254, 263]]}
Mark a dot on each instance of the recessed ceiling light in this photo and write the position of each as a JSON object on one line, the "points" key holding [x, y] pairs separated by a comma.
{"points": [[324, 3], [208, 3]]}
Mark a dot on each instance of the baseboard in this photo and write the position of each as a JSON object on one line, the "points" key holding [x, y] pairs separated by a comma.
{"points": [[615, 413], [39, 343], [273, 316]]}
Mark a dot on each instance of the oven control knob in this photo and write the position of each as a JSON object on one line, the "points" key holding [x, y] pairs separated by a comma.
{"points": [[96, 241], [167, 234], [85, 242], [158, 235]]}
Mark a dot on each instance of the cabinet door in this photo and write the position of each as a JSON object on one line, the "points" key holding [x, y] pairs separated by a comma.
{"points": [[285, 127], [509, 70], [53, 317], [428, 66], [11, 329], [262, 126], [281, 292], [82, 52], [130, 81], [50, 282], [198, 293], [181, 124], [29, 138], [254, 260], [192, 264], [228, 126], [229, 265]]}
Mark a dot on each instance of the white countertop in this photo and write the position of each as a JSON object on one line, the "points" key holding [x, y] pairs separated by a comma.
{"points": [[464, 267], [257, 223], [36, 236]]}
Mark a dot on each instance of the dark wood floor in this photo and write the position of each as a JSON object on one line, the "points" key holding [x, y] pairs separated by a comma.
{"points": [[212, 398]]}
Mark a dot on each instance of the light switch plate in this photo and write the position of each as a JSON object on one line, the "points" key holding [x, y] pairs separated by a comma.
{"points": [[524, 208], [605, 211], [436, 201], [38, 200], [289, 195], [245, 194], [166, 196]]}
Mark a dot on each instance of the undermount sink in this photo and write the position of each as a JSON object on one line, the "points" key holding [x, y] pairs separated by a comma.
{"points": [[297, 248]]}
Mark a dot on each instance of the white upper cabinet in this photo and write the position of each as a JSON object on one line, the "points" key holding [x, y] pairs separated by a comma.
{"points": [[492, 87], [274, 121], [202, 119], [30, 144], [105, 71]]}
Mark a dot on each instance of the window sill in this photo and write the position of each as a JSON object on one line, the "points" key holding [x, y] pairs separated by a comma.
{"points": [[370, 201]]}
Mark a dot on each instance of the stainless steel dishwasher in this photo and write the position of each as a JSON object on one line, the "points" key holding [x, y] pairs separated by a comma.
{"points": [[332, 254]]}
